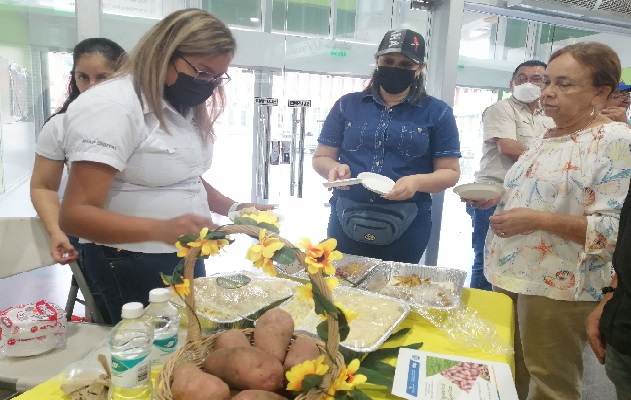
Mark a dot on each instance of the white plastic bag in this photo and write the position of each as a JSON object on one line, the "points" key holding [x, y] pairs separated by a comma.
{"points": [[32, 329]]}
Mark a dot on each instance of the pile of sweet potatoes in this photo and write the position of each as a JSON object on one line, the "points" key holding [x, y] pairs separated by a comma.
{"points": [[240, 370]]}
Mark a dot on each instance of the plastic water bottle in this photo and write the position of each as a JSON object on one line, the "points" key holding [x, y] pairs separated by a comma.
{"points": [[165, 319], [130, 345]]}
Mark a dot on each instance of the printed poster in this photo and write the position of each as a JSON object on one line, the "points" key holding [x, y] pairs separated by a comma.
{"points": [[431, 376]]}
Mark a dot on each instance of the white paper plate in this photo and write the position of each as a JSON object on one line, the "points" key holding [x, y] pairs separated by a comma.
{"points": [[342, 182], [479, 191], [377, 183]]}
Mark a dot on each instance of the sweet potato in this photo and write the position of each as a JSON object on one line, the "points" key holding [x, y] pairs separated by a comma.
{"points": [[258, 395], [231, 339], [191, 383], [245, 368], [301, 350], [273, 332]]}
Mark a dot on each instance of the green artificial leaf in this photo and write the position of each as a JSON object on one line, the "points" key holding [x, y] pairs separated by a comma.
{"points": [[269, 227], [167, 278], [382, 368], [323, 331], [311, 381], [343, 325], [398, 334], [216, 235], [376, 378], [322, 304], [186, 239], [358, 395], [244, 221], [381, 354], [285, 256]]}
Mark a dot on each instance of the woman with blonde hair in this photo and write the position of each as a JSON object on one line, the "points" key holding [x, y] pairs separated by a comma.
{"points": [[139, 145], [555, 229]]}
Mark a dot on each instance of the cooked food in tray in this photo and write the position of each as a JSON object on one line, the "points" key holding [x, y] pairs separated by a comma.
{"points": [[420, 285], [233, 296], [378, 317]]}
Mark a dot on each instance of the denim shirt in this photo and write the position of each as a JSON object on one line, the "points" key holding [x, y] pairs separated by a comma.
{"points": [[395, 142]]}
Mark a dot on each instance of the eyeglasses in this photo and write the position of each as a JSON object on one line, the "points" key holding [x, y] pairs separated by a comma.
{"points": [[521, 79], [203, 77], [622, 96]]}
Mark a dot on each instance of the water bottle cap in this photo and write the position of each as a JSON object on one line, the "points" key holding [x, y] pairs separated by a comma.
{"points": [[132, 310], [159, 295]]}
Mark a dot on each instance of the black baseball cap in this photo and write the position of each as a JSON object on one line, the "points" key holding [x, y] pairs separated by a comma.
{"points": [[405, 41]]}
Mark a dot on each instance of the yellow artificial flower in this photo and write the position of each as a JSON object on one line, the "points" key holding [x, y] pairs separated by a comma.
{"points": [[209, 247], [318, 257], [347, 380], [262, 252], [262, 217], [305, 292], [183, 288], [183, 250], [297, 374]]}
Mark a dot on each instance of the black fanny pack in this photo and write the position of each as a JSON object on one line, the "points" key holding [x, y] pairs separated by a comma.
{"points": [[378, 224]]}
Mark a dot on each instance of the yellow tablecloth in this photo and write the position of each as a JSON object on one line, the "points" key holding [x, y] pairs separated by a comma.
{"points": [[494, 307]]}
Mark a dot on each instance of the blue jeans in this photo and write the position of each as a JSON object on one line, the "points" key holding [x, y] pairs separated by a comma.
{"points": [[480, 223], [408, 248], [618, 369], [123, 276]]}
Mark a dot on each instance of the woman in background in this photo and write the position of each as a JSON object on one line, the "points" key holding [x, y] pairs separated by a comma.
{"points": [[392, 128], [94, 60], [555, 228]]}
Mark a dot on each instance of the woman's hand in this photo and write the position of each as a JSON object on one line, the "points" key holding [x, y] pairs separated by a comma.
{"points": [[260, 207], [516, 221], [482, 204], [339, 172], [61, 250], [404, 188], [593, 332], [168, 231]]}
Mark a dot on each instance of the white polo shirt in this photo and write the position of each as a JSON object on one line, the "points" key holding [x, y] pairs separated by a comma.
{"points": [[507, 119], [159, 172], [50, 139]]}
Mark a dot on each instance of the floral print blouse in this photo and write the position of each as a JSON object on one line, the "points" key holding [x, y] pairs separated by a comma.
{"points": [[586, 173]]}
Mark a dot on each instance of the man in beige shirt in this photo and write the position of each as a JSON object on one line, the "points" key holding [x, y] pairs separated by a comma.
{"points": [[509, 127], [617, 105]]}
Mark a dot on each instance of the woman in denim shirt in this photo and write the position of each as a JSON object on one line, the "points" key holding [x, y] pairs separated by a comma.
{"points": [[392, 128]]}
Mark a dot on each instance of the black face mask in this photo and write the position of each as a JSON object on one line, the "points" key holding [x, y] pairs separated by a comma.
{"points": [[186, 92], [395, 80]]}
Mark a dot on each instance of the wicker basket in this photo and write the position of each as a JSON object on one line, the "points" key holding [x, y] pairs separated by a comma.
{"points": [[197, 347]]}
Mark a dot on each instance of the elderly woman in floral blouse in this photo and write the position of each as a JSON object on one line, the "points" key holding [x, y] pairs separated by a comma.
{"points": [[555, 228]]}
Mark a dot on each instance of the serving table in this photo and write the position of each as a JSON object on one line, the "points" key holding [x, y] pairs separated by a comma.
{"points": [[496, 308]]}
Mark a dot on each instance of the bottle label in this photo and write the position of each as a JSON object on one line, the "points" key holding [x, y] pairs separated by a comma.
{"points": [[129, 373], [162, 349]]}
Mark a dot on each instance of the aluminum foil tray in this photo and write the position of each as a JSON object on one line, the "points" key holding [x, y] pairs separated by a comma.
{"points": [[235, 300], [440, 287], [351, 270], [378, 317]]}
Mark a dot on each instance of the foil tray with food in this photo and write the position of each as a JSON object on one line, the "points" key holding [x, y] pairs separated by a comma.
{"points": [[420, 285], [234, 300], [377, 318], [351, 270]]}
